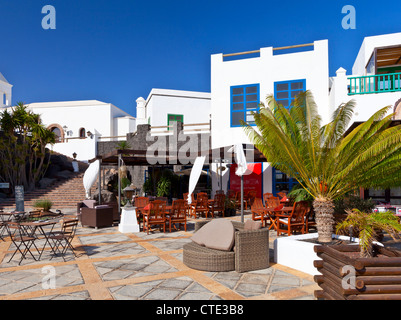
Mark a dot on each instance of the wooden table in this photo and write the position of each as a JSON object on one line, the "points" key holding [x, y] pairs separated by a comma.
{"points": [[272, 215]]}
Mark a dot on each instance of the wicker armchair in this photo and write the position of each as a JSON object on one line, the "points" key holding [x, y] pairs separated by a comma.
{"points": [[251, 252]]}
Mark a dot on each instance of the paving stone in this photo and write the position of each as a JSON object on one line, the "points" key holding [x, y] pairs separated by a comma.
{"points": [[162, 294], [108, 243]]}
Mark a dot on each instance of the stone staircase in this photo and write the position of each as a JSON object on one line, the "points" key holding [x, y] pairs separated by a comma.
{"points": [[63, 193]]}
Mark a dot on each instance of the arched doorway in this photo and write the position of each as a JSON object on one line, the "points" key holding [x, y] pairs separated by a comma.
{"points": [[58, 131], [82, 133]]}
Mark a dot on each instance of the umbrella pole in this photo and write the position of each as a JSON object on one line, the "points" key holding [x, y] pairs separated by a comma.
{"points": [[242, 199], [119, 184]]}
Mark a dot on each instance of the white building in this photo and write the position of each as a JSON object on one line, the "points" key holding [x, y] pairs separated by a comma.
{"points": [[375, 79], [162, 107], [238, 86], [374, 83], [5, 92], [80, 124]]}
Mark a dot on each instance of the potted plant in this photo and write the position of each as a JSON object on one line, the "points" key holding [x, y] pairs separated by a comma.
{"points": [[229, 207], [367, 271], [43, 204]]}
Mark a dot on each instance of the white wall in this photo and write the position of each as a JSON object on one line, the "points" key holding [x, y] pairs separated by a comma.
{"points": [[194, 106], [265, 70], [84, 148], [92, 115], [366, 104], [124, 125], [367, 47], [5, 92]]}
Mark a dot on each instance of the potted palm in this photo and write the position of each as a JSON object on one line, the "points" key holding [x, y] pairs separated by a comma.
{"points": [[327, 163], [364, 272]]}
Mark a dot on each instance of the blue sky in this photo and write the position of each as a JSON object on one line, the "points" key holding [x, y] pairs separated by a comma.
{"points": [[116, 51]]}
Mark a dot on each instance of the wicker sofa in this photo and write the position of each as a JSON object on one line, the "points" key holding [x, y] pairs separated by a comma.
{"points": [[250, 252]]}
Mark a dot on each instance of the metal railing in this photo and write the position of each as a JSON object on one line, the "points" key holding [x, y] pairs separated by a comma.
{"points": [[378, 83]]}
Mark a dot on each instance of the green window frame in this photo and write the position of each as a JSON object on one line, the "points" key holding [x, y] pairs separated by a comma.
{"points": [[174, 118]]}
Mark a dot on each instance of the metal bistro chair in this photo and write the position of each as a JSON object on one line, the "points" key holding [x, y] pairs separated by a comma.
{"points": [[62, 239], [23, 240]]}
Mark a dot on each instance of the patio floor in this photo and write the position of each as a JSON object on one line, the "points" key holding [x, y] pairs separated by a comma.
{"points": [[136, 266]]}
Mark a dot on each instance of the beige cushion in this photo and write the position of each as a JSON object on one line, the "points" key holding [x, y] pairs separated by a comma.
{"points": [[216, 234], [252, 225], [89, 203]]}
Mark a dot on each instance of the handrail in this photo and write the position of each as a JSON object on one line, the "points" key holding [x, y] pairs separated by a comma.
{"points": [[274, 49], [378, 83]]}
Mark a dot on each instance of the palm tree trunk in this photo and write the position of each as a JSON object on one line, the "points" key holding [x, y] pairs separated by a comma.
{"points": [[324, 215]]}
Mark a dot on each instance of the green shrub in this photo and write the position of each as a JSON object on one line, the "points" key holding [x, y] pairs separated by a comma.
{"points": [[44, 204]]}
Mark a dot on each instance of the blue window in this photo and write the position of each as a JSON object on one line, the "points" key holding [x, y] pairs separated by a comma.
{"points": [[282, 182], [286, 91], [244, 100]]}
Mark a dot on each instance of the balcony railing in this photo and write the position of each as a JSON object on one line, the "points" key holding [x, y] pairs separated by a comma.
{"points": [[379, 83]]}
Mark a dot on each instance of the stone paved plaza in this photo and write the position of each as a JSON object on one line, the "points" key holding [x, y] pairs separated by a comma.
{"points": [[136, 266]]}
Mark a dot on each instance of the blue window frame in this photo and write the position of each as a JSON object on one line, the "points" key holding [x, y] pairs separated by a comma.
{"points": [[286, 91], [282, 182], [244, 100]]}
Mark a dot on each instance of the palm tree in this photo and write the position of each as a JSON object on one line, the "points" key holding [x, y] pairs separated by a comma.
{"points": [[322, 159], [367, 224]]}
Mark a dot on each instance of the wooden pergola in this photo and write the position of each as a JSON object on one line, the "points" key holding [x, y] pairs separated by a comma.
{"points": [[134, 157]]}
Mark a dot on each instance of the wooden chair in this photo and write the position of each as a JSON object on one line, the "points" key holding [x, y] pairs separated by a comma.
{"points": [[271, 203], [156, 215], [140, 203], [231, 194], [250, 197], [310, 222], [201, 194], [258, 211], [217, 205], [238, 200], [187, 206], [165, 199], [178, 214], [199, 206], [281, 194], [295, 221], [267, 196]]}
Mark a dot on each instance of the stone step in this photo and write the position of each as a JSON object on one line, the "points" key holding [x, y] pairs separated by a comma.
{"points": [[63, 193]]}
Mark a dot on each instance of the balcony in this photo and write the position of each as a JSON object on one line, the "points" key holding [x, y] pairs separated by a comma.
{"points": [[379, 83]]}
